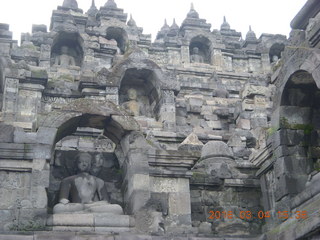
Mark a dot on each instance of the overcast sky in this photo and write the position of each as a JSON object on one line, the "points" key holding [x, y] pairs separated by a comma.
{"points": [[265, 16]]}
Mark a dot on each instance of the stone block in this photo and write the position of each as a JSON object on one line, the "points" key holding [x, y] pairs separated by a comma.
{"points": [[247, 105], [216, 125], [250, 91], [216, 148], [220, 170], [132, 237], [285, 185], [167, 185], [244, 124], [112, 229], [179, 204], [212, 117], [258, 122], [6, 133], [46, 135], [85, 236], [205, 228], [110, 220], [206, 110], [72, 229], [39, 197], [293, 115], [73, 219], [283, 166], [260, 102], [6, 220], [17, 237], [191, 143]]}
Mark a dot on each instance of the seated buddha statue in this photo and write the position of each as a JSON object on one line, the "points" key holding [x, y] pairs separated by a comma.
{"points": [[84, 192]]}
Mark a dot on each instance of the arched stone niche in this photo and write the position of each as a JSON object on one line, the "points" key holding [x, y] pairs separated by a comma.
{"points": [[299, 126], [199, 50], [67, 50], [121, 129], [159, 87], [275, 52], [142, 83], [120, 36], [105, 164]]}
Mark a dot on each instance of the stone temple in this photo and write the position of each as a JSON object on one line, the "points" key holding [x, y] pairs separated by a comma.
{"points": [[197, 135]]}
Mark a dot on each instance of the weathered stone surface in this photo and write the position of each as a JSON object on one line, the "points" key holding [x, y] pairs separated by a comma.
{"points": [[191, 143], [215, 148], [191, 86], [6, 133]]}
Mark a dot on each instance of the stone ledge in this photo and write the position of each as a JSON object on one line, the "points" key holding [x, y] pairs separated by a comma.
{"points": [[105, 236]]}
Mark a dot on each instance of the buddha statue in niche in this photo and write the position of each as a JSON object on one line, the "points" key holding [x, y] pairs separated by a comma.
{"points": [[132, 105], [196, 56], [84, 192], [65, 59]]}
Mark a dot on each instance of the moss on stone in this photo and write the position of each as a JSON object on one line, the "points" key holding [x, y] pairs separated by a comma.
{"points": [[307, 128], [272, 130], [39, 73], [66, 77]]}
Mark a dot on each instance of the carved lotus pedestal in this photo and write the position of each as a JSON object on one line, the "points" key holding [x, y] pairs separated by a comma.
{"points": [[112, 220]]}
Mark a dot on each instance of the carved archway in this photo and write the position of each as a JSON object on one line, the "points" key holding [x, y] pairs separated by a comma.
{"points": [[120, 36], [122, 129]]}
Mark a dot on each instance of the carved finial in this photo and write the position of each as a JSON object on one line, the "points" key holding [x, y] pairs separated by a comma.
{"points": [[225, 25], [192, 13], [131, 22], [70, 4], [251, 36], [110, 4], [165, 26], [92, 10], [174, 24]]}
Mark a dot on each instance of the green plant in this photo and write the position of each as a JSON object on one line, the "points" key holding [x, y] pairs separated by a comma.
{"points": [[272, 130]]}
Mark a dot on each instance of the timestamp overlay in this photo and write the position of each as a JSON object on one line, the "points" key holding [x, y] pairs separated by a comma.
{"points": [[214, 215]]}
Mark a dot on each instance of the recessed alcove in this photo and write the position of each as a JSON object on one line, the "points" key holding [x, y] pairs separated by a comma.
{"points": [[105, 164], [70, 45], [276, 51], [143, 82], [199, 50], [300, 123], [120, 36]]}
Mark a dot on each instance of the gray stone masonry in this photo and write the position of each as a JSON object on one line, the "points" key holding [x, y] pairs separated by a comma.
{"points": [[200, 134]]}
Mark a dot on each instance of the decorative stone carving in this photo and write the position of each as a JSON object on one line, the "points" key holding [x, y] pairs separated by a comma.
{"points": [[132, 105], [70, 4], [84, 192], [65, 59], [196, 57]]}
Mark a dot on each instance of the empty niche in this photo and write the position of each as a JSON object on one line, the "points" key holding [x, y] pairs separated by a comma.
{"points": [[275, 52], [199, 50], [120, 36], [300, 115], [67, 50], [138, 93]]}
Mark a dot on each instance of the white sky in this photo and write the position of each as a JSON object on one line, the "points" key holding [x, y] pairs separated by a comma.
{"points": [[265, 16]]}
